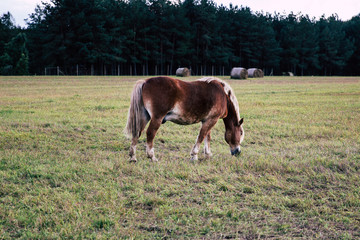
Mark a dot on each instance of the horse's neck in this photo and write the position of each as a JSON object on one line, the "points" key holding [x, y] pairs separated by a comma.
{"points": [[231, 119]]}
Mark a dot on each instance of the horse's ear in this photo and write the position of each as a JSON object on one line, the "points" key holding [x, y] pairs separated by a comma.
{"points": [[241, 121]]}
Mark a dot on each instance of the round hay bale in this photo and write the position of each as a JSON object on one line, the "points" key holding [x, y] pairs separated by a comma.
{"points": [[288, 74], [239, 73], [183, 72], [255, 73]]}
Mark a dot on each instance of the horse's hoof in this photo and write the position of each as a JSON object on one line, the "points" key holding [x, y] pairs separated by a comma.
{"points": [[154, 159], [133, 160], [194, 158]]}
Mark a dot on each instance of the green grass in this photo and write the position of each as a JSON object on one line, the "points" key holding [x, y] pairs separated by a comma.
{"points": [[64, 170]]}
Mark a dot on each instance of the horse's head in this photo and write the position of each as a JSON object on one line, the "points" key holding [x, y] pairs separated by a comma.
{"points": [[234, 136]]}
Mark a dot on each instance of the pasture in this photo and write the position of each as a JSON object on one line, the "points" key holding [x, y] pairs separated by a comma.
{"points": [[65, 171]]}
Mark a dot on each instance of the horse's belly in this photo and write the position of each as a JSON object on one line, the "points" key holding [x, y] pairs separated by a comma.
{"points": [[178, 119], [178, 116]]}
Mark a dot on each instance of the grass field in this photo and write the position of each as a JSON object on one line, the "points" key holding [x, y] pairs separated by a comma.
{"points": [[64, 170]]}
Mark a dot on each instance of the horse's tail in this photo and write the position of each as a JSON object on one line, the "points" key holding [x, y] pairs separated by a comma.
{"points": [[136, 112]]}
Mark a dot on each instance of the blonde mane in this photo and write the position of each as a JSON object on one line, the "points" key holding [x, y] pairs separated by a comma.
{"points": [[228, 90]]}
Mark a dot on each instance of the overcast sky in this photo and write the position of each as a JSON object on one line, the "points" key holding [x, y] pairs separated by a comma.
{"points": [[346, 9]]}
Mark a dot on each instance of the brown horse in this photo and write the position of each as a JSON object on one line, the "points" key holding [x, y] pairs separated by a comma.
{"points": [[162, 99]]}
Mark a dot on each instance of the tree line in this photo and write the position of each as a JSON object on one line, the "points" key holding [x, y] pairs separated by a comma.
{"points": [[155, 37]]}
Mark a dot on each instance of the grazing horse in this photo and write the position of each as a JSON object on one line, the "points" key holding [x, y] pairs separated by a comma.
{"points": [[162, 99]]}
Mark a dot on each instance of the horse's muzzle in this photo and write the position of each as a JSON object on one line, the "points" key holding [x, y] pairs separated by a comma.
{"points": [[236, 152]]}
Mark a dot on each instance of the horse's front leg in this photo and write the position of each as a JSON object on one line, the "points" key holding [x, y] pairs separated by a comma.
{"points": [[207, 150], [204, 131], [150, 135]]}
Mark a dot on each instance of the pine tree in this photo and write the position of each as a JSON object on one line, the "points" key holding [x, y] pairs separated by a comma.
{"points": [[22, 66], [308, 48], [15, 60], [8, 31], [352, 29], [334, 48]]}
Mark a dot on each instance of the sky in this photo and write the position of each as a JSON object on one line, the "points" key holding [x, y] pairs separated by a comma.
{"points": [[346, 9]]}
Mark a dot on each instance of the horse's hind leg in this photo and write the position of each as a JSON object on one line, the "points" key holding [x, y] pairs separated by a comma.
{"points": [[133, 150], [144, 120], [150, 135]]}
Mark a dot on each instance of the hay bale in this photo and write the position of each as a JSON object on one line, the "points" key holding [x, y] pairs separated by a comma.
{"points": [[239, 73], [255, 73], [183, 72], [288, 74]]}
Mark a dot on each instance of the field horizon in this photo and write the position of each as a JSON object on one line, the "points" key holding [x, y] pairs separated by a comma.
{"points": [[65, 170]]}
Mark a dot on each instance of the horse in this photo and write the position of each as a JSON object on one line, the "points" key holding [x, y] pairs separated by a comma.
{"points": [[162, 99]]}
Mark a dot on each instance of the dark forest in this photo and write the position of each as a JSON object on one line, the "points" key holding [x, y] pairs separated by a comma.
{"points": [[155, 37]]}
